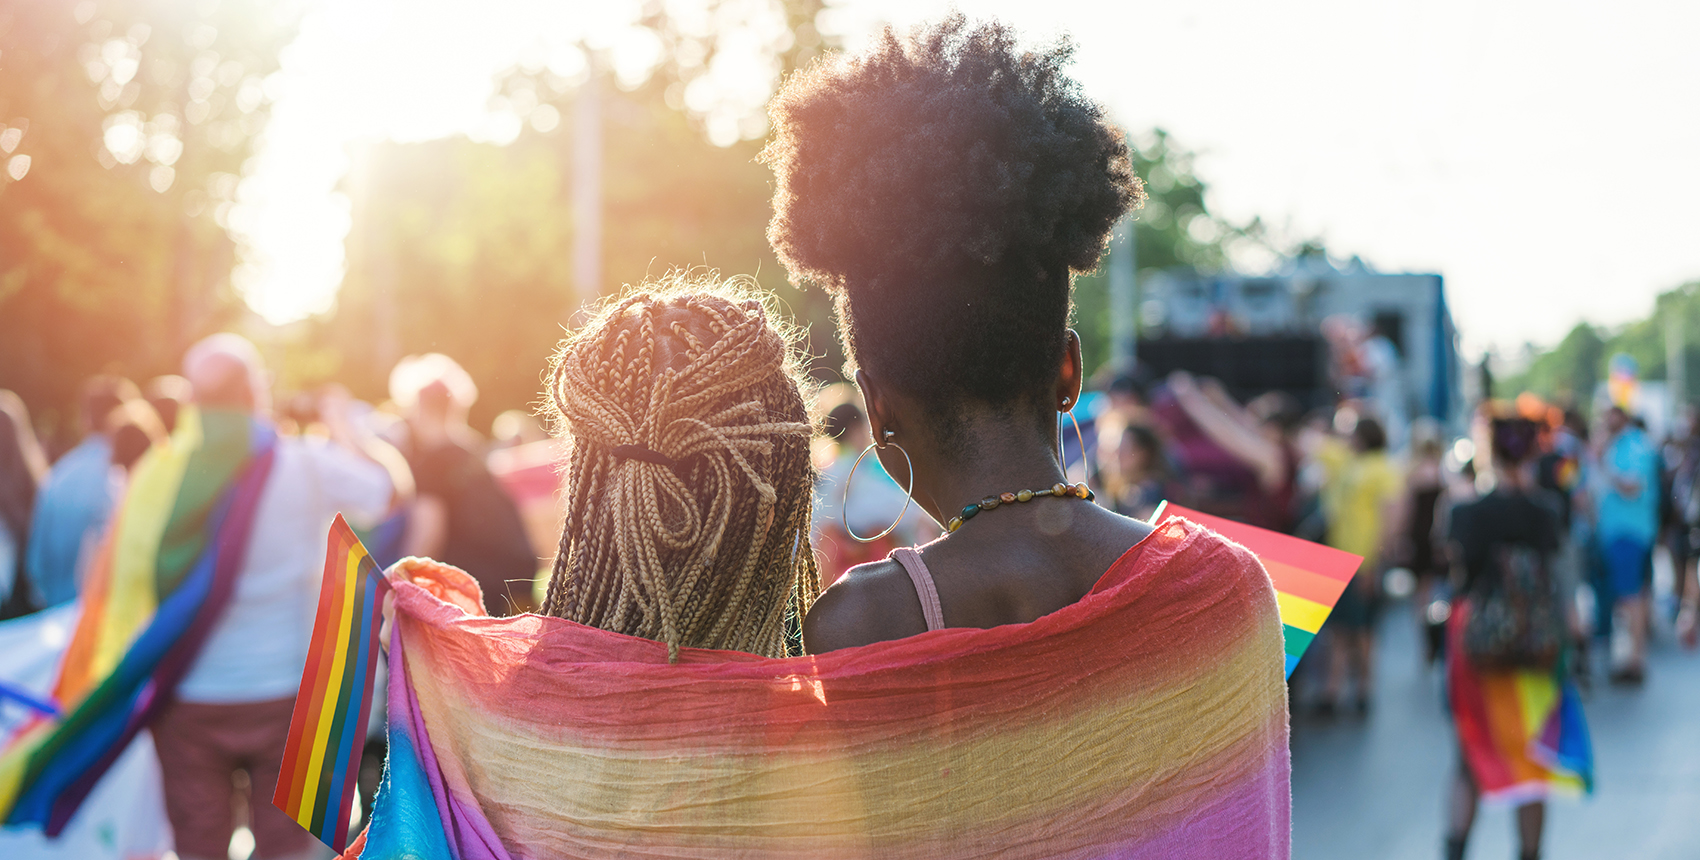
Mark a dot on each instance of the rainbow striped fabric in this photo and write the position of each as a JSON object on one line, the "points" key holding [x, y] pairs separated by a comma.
{"points": [[1308, 577], [150, 598], [328, 729], [1522, 733], [1146, 720]]}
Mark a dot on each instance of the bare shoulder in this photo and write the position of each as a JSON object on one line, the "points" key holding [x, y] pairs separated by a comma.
{"points": [[1110, 535], [872, 602], [1128, 529]]}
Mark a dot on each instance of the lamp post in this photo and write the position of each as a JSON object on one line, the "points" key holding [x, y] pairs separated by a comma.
{"points": [[1124, 297]]}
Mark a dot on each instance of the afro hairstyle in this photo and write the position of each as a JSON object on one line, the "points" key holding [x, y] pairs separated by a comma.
{"points": [[944, 188]]}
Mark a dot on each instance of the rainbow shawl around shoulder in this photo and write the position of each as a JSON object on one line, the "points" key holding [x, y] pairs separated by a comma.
{"points": [[1147, 720], [150, 598]]}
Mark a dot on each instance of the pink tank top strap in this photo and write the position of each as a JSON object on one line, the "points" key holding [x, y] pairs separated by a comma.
{"points": [[923, 580]]}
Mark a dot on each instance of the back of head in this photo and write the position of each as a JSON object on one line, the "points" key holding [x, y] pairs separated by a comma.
{"points": [[167, 395], [1576, 423], [1145, 439], [1504, 437], [101, 394], [432, 384], [1515, 440], [516, 427], [944, 187], [225, 371], [1368, 435], [843, 420], [688, 474], [133, 428], [1427, 438], [1617, 419], [1135, 386], [1279, 410]]}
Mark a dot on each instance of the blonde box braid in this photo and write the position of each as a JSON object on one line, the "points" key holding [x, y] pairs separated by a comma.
{"points": [[688, 474]]}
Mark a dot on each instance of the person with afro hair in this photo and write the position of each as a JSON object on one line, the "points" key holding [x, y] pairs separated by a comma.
{"points": [[944, 188]]}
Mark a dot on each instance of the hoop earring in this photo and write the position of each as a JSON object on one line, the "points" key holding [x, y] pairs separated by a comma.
{"points": [[908, 492], [1085, 468]]}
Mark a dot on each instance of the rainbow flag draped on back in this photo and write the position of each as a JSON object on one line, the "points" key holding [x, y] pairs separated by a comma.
{"points": [[1146, 720], [160, 581], [315, 786], [1308, 577], [1522, 732]]}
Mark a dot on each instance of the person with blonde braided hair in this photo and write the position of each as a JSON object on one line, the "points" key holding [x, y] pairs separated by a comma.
{"points": [[688, 479]]}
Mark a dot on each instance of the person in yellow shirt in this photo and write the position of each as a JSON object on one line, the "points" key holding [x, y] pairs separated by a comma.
{"points": [[1360, 487]]}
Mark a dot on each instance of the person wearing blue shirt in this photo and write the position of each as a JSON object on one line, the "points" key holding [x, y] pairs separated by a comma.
{"points": [[1626, 522], [72, 508]]}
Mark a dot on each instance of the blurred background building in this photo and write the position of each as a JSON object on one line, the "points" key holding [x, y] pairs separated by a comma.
{"points": [[1260, 333]]}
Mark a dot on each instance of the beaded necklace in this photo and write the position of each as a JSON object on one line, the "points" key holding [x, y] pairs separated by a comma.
{"points": [[1079, 491]]}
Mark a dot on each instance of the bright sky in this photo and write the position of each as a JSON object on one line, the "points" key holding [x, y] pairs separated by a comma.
{"points": [[1541, 156]]}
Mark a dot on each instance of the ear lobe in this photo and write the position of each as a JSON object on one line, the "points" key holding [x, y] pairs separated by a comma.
{"points": [[873, 405], [1071, 376]]}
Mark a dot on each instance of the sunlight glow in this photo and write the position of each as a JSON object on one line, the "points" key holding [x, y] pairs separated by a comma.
{"points": [[1541, 161], [369, 70]]}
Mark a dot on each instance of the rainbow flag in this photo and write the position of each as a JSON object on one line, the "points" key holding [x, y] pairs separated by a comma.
{"points": [[158, 584], [1308, 577], [1522, 732], [1147, 720], [328, 730]]}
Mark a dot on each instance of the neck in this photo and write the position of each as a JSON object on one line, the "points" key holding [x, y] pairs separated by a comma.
{"points": [[999, 461], [1509, 478]]}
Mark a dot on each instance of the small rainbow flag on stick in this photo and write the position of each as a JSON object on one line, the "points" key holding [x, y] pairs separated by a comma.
{"points": [[316, 784], [1308, 577]]}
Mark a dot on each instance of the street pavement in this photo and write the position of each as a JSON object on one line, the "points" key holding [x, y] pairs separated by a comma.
{"points": [[1374, 787]]}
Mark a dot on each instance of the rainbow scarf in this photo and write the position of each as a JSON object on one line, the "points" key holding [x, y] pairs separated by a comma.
{"points": [[1147, 720], [155, 589]]}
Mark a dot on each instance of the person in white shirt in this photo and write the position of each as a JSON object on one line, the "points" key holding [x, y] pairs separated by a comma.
{"points": [[233, 708]]}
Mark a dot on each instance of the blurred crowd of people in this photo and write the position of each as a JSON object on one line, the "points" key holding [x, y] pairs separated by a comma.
{"points": [[471, 498], [409, 473], [1536, 522]]}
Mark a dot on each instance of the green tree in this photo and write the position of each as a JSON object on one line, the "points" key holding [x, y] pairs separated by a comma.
{"points": [[1568, 372], [465, 248], [1571, 370], [123, 128], [1174, 229]]}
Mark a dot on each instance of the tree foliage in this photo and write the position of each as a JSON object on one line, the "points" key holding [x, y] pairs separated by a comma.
{"points": [[124, 125], [465, 248], [1174, 229], [1570, 371]]}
